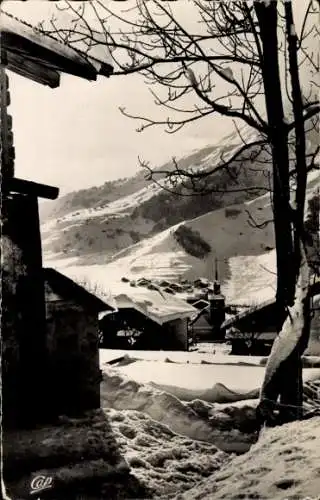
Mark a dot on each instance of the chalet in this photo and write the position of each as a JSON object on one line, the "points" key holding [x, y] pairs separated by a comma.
{"points": [[201, 283], [164, 283], [152, 287], [72, 343], [253, 331], [176, 287], [196, 296], [143, 282], [152, 319], [49, 358], [200, 325], [206, 325], [185, 282]]}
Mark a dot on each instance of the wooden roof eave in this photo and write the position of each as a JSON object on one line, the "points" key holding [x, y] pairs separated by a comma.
{"points": [[30, 59], [65, 286], [41, 58]]}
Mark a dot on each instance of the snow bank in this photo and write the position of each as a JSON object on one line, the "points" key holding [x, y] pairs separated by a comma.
{"points": [[209, 382], [284, 463], [121, 393], [201, 356], [164, 462], [218, 416], [196, 378]]}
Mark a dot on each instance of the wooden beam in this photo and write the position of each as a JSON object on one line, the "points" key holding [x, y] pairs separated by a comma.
{"points": [[32, 70], [73, 64], [22, 186]]}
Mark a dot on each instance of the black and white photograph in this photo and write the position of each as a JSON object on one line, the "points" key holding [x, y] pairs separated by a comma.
{"points": [[160, 249]]}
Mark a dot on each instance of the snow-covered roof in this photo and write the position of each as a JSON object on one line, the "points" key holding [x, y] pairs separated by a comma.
{"points": [[314, 291], [42, 57], [156, 305], [202, 313], [62, 286], [229, 322]]}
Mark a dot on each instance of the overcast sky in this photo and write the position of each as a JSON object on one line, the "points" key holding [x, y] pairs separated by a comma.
{"points": [[75, 136]]}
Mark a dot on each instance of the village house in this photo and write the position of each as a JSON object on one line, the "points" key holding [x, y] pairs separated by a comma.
{"points": [[200, 326], [148, 319], [164, 283], [143, 282], [176, 287], [201, 283], [169, 290], [253, 331], [72, 343], [206, 325]]}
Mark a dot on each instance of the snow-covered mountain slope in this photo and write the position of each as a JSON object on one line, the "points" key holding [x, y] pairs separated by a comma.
{"points": [[135, 228], [98, 222], [245, 253]]}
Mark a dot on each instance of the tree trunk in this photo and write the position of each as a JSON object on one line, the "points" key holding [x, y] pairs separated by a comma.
{"points": [[283, 375], [300, 136], [268, 19]]}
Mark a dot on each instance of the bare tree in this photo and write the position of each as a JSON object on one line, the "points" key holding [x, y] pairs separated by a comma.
{"points": [[242, 60]]}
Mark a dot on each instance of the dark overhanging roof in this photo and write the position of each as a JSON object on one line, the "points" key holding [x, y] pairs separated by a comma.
{"points": [[205, 312], [244, 315], [69, 289], [28, 51]]}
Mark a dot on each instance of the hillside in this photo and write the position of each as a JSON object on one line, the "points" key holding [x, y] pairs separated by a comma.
{"points": [[98, 222], [140, 229], [246, 254]]}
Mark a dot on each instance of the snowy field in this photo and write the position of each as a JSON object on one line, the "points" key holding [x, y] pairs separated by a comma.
{"points": [[166, 384], [173, 411], [191, 375]]}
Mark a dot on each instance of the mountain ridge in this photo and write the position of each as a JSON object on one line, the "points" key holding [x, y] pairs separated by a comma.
{"points": [[134, 227]]}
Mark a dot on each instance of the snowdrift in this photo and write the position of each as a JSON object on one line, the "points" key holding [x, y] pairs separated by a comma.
{"points": [[195, 379], [230, 426], [164, 462], [198, 420], [284, 463]]}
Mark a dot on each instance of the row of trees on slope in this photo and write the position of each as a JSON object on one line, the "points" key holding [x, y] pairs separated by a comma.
{"points": [[242, 60]]}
